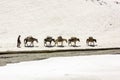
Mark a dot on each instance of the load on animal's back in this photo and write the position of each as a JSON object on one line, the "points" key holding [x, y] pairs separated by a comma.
{"points": [[31, 40], [60, 38]]}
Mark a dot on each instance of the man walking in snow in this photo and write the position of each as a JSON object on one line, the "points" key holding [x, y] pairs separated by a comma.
{"points": [[18, 41]]}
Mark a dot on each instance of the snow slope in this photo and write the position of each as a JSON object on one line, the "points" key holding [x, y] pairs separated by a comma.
{"points": [[41, 18], [95, 67]]}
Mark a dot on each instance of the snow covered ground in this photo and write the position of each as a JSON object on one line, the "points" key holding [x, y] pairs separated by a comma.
{"points": [[41, 18], [95, 67]]}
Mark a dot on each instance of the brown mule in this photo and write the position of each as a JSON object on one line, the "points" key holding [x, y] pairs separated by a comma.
{"points": [[48, 39], [61, 40], [31, 40], [90, 41], [74, 40]]}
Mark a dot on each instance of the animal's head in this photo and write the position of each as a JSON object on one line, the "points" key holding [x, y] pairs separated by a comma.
{"points": [[36, 40], [78, 39], [69, 40], [95, 40], [53, 40], [65, 40]]}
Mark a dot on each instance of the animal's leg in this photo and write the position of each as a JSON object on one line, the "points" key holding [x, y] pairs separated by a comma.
{"points": [[32, 44], [50, 43], [61, 43], [68, 43], [75, 43], [56, 43], [44, 43], [93, 43], [27, 44], [88, 43]]}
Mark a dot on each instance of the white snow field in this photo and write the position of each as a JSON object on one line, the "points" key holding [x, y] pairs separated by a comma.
{"points": [[95, 67], [41, 18]]}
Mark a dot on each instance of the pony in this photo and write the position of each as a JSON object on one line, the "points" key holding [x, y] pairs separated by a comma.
{"points": [[48, 39], [74, 40], [90, 41], [31, 40], [61, 40]]}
